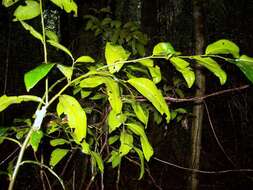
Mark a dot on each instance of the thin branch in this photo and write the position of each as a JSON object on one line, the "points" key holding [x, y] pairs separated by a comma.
{"points": [[10, 155], [215, 136], [201, 171], [177, 100]]}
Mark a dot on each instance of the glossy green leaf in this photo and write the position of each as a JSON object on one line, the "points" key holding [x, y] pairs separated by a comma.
{"points": [[76, 116], [184, 68], [245, 63], [141, 113], [35, 139], [66, 71], [52, 35], [149, 90], [126, 143], [57, 155], [6, 101], [113, 139], [146, 147], [212, 66], [140, 154], [85, 147], [32, 31], [115, 120], [85, 59], [8, 3], [223, 47], [61, 47], [28, 11], [115, 159], [147, 62], [97, 157], [32, 77], [67, 5], [92, 82], [114, 54], [163, 49], [57, 142]]}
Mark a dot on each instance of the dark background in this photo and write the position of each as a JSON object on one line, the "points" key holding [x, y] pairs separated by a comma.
{"points": [[162, 20]]}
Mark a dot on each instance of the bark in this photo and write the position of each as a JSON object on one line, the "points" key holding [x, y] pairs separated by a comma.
{"points": [[198, 109]]}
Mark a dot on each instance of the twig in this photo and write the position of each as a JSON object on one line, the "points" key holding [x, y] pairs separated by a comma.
{"points": [[215, 136], [90, 182], [201, 171], [10, 155], [177, 100], [118, 178]]}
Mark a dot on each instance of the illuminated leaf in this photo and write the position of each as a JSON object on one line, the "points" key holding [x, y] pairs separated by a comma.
{"points": [[35, 139], [97, 157], [245, 63], [52, 35], [66, 71], [61, 47], [56, 156], [67, 5], [149, 90], [113, 139], [32, 77], [163, 49], [32, 31], [85, 59], [28, 11], [140, 154], [8, 3], [76, 116], [57, 142], [141, 113], [115, 120], [126, 141]]}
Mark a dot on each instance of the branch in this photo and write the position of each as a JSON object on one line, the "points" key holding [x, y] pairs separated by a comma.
{"points": [[177, 100]]}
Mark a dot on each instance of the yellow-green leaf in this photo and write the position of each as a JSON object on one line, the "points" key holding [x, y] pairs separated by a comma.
{"points": [[126, 141], [115, 159], [52, 35], [141, 113], [76, 116], [61, 47], [113, 139], [8, 3], [163, 49], [85, 147], [85, 59], [212, 66], [57, 142], [32, 31], [66, 71], [183, 67], [146, 147], [223, 47], [67, 5], [97, 157], [140, 154], [56, 156], [6, 101], [245, 63], [35, 139], [114, 54], [149, 90], [115, 120], [28, 11]]}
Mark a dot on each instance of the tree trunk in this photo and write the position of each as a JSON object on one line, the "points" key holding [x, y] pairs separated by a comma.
{"points": [[198, 109]]}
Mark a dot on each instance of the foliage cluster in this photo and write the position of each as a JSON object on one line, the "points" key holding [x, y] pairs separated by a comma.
{"points": [[109, 121]]}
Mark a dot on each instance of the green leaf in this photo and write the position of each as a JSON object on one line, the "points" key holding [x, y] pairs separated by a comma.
{"points": [[141, 113], [52, 35], [112, 89], [149, 90], [32, 77], [113, 139], [212, 66], [85, 147], [28, 11], [245, 63], [163, 49], [67, 5], [140, 49], [126, 141], [183, 67], [155, 73], [76, 116], [56, 156], [140, 154], [147, 62], [223, 47], [114, 54], [114, 120], [97, 157], [146, 147], [57, 142], [61, 47], [115, 159], [32, 31], [8, 3], [35, 139], [66, 71], [85, 59], [6, 101]]}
